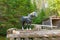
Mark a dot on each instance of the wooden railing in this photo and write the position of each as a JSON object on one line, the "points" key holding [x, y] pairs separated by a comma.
{"points": [[44, 26]]}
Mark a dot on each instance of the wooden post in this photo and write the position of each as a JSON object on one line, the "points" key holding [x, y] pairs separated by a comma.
{"points": [[51, 22], [26, 38], [35, 39], [18, 38], [11, 38]]}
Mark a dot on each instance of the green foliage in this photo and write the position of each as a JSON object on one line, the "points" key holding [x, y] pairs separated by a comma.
{"points": [[41, 17], [2, 38], [3, 31], [54, 6], [11, 11]]}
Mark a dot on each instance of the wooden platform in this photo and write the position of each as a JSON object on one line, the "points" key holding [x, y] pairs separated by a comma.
{"points": [[17, 34], [30, 33]]}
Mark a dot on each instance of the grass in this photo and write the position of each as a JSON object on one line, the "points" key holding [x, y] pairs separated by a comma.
{"points": [[2, 38]]}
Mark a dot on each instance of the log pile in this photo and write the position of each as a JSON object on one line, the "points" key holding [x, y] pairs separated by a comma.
{"points": [[30, 33]]}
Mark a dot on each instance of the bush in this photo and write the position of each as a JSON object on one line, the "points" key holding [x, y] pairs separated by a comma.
{"points": [[40, 18], [11, 11]]}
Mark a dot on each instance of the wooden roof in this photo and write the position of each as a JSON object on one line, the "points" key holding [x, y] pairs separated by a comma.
{"points": [[55, 17], [52, 17]]}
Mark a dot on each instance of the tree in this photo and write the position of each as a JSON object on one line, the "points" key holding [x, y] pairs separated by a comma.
{"points": [[40, 18], [11, 11], [54, 6]]}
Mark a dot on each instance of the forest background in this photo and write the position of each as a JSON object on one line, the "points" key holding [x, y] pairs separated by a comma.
{"points": [[12, 10]]}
